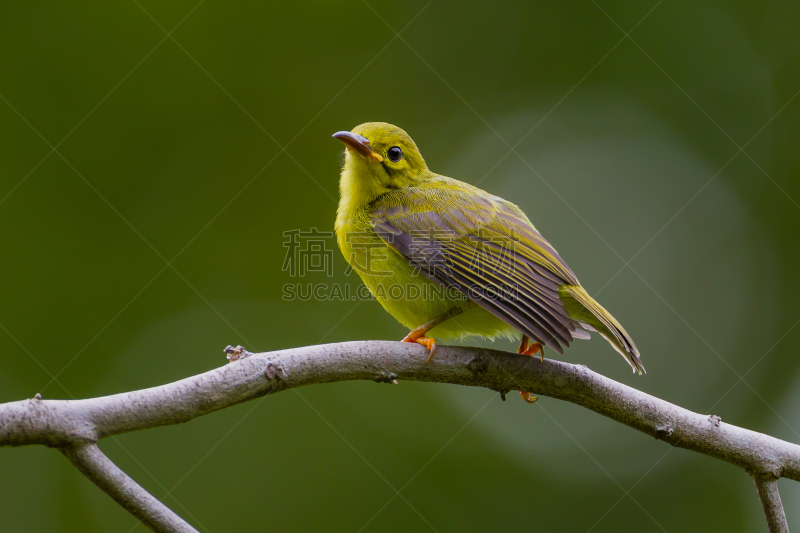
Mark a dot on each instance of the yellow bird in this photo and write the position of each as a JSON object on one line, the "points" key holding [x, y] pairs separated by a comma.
{"points": [[449, 260]]}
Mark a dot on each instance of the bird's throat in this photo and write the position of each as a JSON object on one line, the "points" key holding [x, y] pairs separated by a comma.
{"points": [[357, 186]]}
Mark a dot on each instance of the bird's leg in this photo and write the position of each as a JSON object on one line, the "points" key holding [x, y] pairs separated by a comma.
{"points": [[529, 348], [523, 344], [418, 334]]}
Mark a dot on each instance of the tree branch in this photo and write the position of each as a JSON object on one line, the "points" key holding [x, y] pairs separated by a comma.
{"points": [[771, 503], [74, 424], [105, 474]]}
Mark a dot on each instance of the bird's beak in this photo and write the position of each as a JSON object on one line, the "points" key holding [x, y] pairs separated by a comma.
{"points": [[358, 144]]}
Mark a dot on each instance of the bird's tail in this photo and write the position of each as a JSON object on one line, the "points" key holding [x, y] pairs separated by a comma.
{"points": [[585, 310]]}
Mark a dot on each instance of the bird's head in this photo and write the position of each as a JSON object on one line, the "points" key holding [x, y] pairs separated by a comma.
{"points": [[381, 157]]}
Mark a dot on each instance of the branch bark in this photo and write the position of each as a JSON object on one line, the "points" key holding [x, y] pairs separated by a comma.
{"points": [[125, 491], [76, 424], [772, 505]]}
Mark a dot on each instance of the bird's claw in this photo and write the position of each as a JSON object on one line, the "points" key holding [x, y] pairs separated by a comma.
{"points": [[534, 348], [428, 342], [530, 350], [527, 397]]}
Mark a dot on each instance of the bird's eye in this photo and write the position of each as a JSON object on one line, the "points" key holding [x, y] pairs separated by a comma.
{"points": [[394, 154]]}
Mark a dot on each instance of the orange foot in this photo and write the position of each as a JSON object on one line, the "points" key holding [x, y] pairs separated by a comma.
{"points": [[534, 348], [528, 398], [428, 342], [529, 349]]}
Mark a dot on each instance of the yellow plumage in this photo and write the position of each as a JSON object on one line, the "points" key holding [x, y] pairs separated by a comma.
{"points": [[431, 248]]}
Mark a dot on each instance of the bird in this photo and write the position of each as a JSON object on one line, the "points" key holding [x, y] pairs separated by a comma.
{"points": [[451, 261]]}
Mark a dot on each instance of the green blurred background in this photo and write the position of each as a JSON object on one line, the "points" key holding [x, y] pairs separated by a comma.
{"points": [[171, 151]]}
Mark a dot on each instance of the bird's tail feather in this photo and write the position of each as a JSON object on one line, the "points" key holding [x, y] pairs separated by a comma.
{"points": [[584, 308]]}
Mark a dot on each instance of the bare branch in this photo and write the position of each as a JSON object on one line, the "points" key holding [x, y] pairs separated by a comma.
{"points": [[73, 424], [771, 503], [105, 474]]}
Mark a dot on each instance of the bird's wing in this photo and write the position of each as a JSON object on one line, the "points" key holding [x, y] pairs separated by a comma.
{"points": [[460, 236]]}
